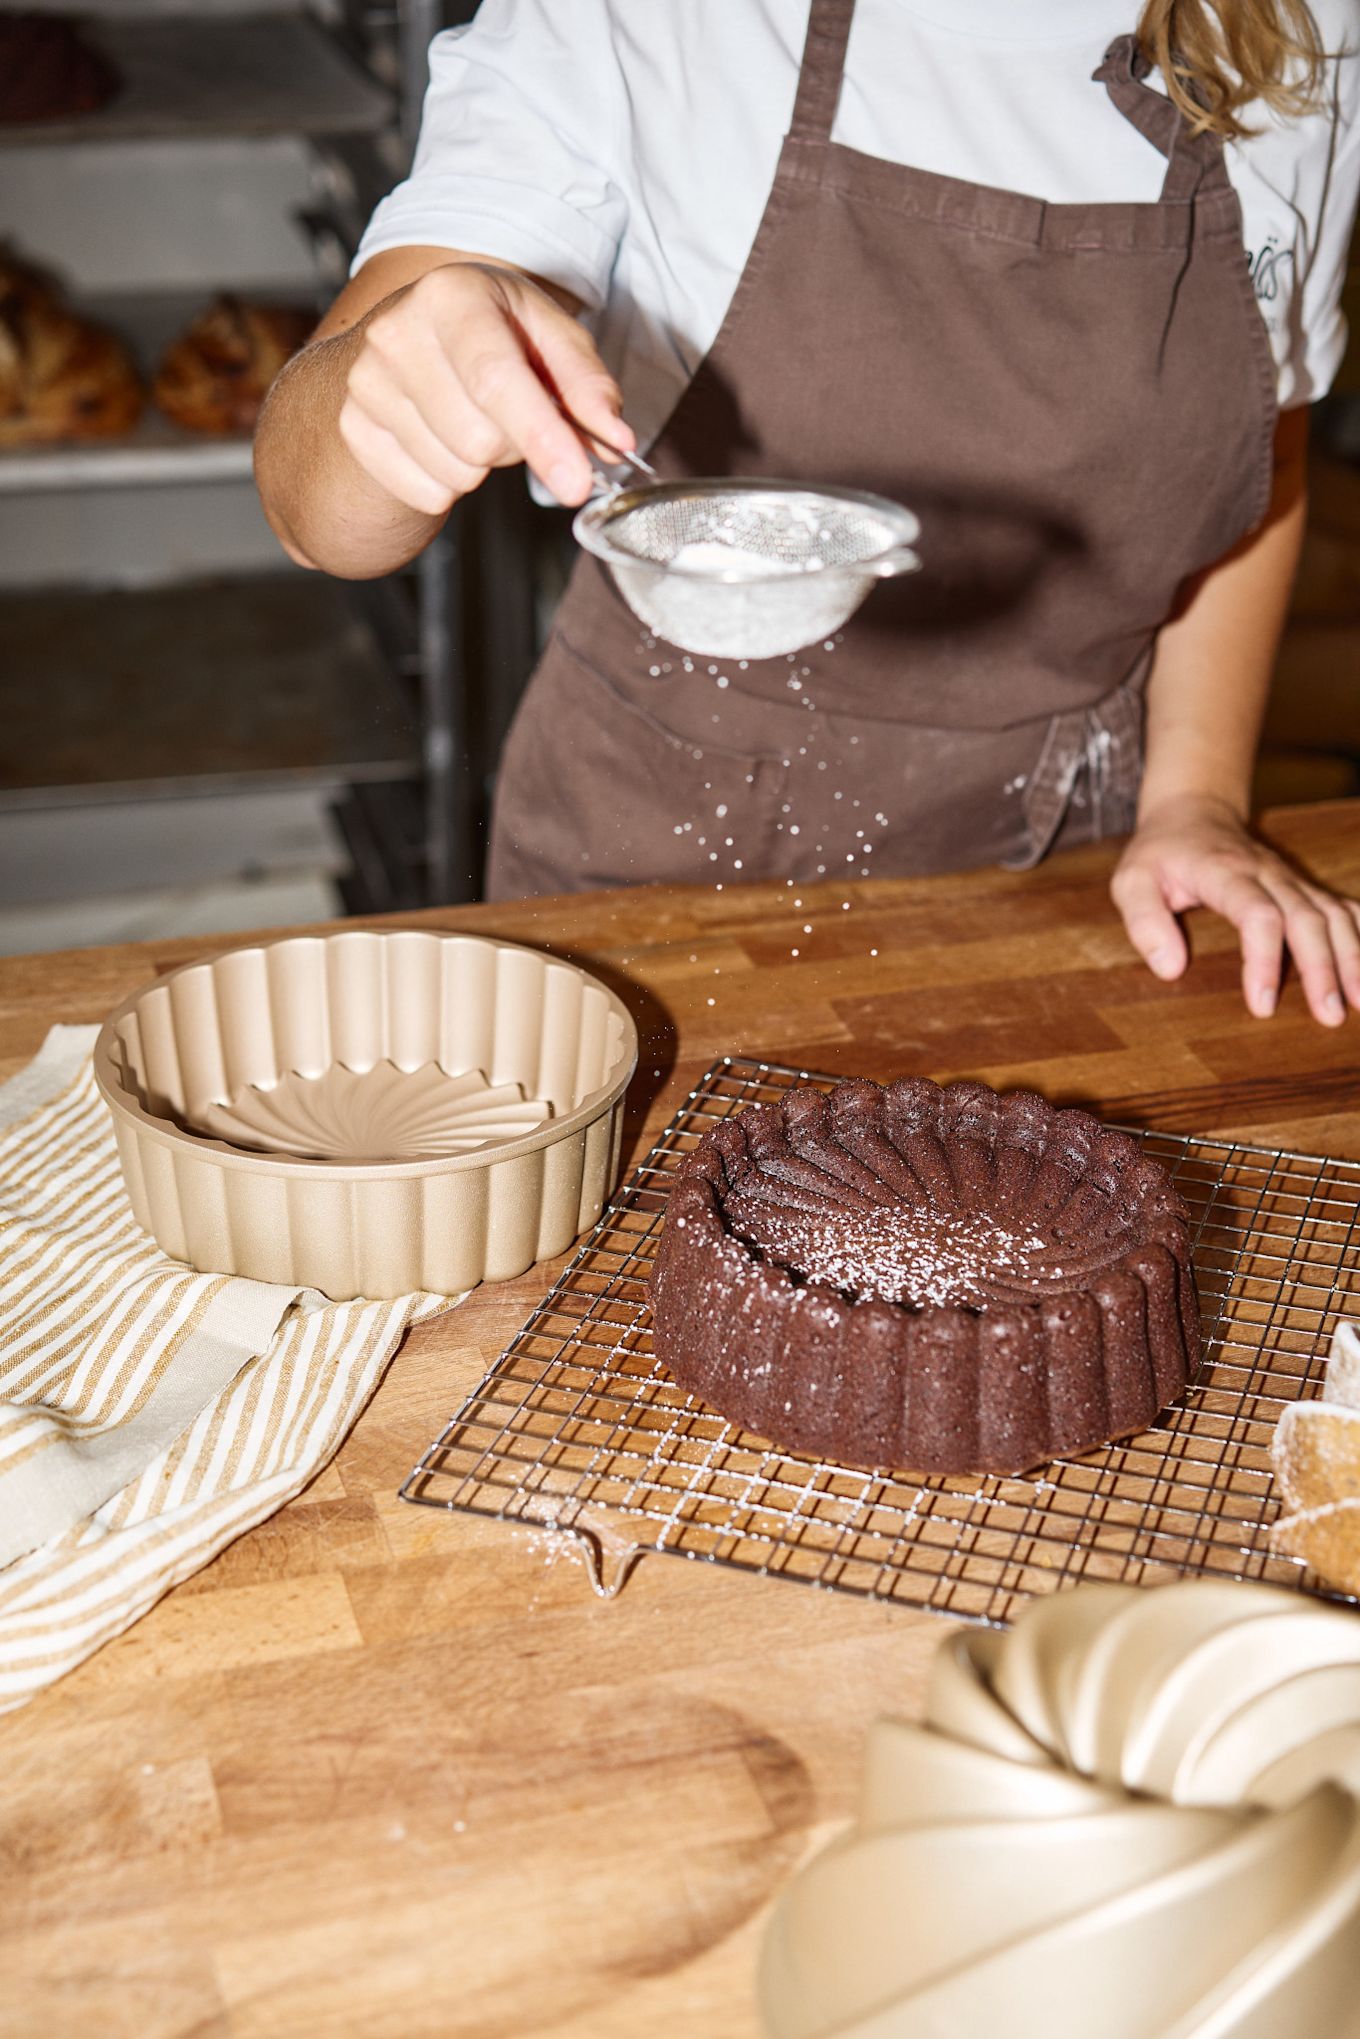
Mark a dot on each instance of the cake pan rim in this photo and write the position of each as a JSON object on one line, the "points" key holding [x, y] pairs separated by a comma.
{"points": [[165, 1132]]}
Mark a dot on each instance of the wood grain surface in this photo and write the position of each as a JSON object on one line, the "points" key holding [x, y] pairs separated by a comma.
{"points": [[379, 1772]]}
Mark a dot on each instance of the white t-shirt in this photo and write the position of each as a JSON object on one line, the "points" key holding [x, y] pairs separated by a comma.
{"points": [[625, 149]]}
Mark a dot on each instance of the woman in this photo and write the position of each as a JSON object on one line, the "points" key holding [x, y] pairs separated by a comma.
{"points": [[1067, 307]]}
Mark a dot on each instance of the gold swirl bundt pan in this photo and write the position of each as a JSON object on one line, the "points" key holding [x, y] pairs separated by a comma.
{"points": [[1131, 1817], [369, 1112]]}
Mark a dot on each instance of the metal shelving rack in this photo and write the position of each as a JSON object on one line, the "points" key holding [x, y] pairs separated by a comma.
{"points": [[346, 78], [228, 74], [157, 453]]}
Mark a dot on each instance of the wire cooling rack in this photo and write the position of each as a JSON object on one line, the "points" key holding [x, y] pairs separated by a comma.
{"points": [[579, 1430]]}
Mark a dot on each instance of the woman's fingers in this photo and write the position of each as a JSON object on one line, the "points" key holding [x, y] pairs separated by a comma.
{"points": [[414, 389], [1260, 927], [1308, 934], [1194, 855], [1343, 922], [389, 464], [1152, 927], [460, 360], [489, 350], [461, 472], [1274, 912], [584, 386], [471, 368]]}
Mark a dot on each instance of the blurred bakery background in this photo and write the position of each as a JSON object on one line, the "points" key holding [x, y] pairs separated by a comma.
{"points": [[196, 736]]}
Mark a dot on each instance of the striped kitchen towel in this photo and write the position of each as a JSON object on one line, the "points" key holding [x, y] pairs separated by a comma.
{"points": [[148, 1414]]}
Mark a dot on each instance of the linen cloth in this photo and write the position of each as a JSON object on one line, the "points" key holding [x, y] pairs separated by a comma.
{"points": [[149, 1415]]}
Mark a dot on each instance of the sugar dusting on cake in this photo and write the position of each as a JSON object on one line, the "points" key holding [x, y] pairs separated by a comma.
{"points": [[904, 1255], [916, 1275]]}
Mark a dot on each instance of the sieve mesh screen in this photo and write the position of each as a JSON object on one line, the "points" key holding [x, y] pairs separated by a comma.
{"points": [[803, 531]]}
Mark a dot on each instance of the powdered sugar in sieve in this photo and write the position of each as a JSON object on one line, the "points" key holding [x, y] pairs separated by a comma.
{"points": [[746, 569]]}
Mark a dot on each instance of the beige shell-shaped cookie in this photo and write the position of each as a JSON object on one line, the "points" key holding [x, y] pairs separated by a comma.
{"points": [[1316, 1450], [1132, 1817], [377, 1114]]}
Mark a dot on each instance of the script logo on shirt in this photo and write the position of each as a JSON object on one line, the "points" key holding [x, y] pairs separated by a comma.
{"points": [[1270, 268]]}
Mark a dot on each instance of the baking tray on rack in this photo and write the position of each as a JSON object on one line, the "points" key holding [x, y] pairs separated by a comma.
{"points": [[578, 1430], [190, 75]]}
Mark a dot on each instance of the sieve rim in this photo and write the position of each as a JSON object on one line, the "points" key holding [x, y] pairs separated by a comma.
{"points": [[590, 526]]}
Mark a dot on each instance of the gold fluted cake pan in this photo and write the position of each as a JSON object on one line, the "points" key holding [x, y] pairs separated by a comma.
{"points": [[369, 1113], [1134, 1816]]}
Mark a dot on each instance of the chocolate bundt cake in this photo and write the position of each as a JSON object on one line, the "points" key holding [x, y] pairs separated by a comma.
{"points": [[943, 1279]]}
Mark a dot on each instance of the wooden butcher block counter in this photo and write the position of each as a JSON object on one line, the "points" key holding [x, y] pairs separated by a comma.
{"points": [[385, 1771]]}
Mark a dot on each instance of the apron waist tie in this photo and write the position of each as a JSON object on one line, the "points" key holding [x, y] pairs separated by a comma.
{"points": [[1089, 754]]}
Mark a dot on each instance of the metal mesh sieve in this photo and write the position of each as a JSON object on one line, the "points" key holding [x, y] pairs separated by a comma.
{"points": [[825, 548], [798, 531]]}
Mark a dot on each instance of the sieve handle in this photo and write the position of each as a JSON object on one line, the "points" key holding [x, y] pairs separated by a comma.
{"points": [[602, 456], [899, 559], [618, 458]]}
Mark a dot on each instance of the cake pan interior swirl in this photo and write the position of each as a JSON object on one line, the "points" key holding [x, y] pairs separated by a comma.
{"points": [[368, 1113]]}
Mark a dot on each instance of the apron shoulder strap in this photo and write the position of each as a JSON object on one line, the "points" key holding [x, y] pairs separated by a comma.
{"points": [[823, 68], [1194, 162]]}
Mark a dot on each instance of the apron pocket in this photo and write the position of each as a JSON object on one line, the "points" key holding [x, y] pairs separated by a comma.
{"points": [[596, 790]]}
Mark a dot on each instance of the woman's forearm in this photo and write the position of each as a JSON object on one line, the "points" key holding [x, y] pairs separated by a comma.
{"points": [[324, 508], [1210, 678]]}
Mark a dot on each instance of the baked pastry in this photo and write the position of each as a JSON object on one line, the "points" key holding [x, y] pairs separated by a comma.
{"points": [[61, 376], [1134, 1815], [48, 71], [214, 377], [942, 1279], [1316, 1451]]}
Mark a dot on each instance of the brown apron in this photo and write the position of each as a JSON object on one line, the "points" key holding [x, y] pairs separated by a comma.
{"points": [[1079, 403]]}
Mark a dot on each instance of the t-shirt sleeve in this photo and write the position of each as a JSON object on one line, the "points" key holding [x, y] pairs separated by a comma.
{"points": [[525, 112], [1321, 330]]}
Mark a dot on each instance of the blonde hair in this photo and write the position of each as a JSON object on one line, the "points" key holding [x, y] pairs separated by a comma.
{"points": [[1218, 56]]}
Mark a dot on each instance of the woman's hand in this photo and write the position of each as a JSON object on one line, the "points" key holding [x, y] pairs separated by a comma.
{"points": [[429, 369], [456, 373], [1195, 851]]}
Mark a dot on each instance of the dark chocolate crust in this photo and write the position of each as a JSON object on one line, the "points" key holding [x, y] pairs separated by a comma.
{"points": [[936, 1278]]}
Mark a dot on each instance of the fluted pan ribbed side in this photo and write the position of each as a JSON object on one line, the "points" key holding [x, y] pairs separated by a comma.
{"points": [[205, 1050], [1016, 1286], [1133, 1816]]}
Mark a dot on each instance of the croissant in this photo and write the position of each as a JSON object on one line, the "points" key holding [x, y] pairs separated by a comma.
{"points": [[1132, 1817], [61, 376], [214, 377]]}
